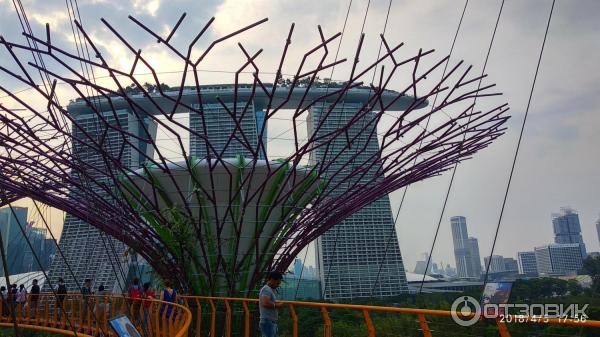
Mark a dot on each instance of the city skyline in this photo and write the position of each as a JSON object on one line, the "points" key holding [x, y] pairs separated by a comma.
{"points": [[545, 177]]}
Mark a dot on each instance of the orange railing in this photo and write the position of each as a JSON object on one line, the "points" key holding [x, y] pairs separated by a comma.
{"points": [[219, 322], [89, 315], [223, 316]]}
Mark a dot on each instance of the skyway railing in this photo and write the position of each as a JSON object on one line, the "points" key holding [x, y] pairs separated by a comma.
{"points": [[75, 314], [197, 316], [238, 317]]}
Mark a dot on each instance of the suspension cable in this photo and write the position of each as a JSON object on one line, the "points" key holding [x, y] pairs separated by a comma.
{"points": [[335, 240], [512, 169], [437, 230], [37, 259], [395, 219]]}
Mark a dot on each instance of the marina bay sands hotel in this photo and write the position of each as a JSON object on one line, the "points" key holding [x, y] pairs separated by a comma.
{"points": [[360, 257]]}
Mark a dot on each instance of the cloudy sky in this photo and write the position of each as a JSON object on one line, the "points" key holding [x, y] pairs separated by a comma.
{"points": [[558, 162]]}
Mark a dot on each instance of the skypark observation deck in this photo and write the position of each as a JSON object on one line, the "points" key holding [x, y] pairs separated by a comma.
{"points": [[283, 98]]}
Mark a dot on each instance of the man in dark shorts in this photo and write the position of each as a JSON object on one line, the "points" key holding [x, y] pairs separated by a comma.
{"points": [[268, 305]]}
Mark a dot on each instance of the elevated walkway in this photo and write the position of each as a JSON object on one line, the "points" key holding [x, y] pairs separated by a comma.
{"points": [[220, 316]]}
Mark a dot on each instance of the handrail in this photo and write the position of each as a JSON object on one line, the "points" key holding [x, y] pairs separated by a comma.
{"points": [[89, 315], [45, 329], [365, 310]]}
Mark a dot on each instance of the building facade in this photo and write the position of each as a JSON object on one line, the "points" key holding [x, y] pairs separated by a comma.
{"points": [[527, 263], [567, 229], [598, 229], [12, 225], [217, 125], [496, 265], [511, 265], [88, 252], [475, 257], [467, 266], [359, 257], [559, 259]]}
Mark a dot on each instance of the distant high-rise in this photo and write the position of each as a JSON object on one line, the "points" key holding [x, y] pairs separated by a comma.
{"points": [[298, 269], [496, 265], [558, 259], [12, 237], [511, 264], [567, 229], [598, 229], [464, 249], [421, 265], [37, 239], [475, 258], [527, 263]]}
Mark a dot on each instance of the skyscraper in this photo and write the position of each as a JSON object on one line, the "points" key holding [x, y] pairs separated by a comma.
{"points": [[12, 237], [598, 228], [359, 257], [464, 249], [558, 259], [567, 228], [88, 252], [37, 239], [511, 264], [475, 258], [496, 265], [218, 125], [421, 266], [527, 263]]}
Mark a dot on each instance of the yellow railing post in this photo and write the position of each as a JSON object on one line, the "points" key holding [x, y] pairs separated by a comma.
{"points": [[213, 317], [164, 319], [327, 322], [502, 329], [170, 320], [227, 319], [198, 317], [157, 322], [424, 326], [369, 323], [247, 319], [294, 320]]}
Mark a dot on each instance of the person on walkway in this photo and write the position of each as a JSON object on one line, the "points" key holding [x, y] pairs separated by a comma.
{"points": [[13, 292], [148, 297], [34, 297], [103, 304], [4, 299], [88, 301], [135, 293], [268, 305], [61, 295], [168, 295], [21, 299]]}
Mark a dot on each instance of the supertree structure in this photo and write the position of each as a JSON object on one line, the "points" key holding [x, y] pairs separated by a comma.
{"points": [[215, 220]]}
